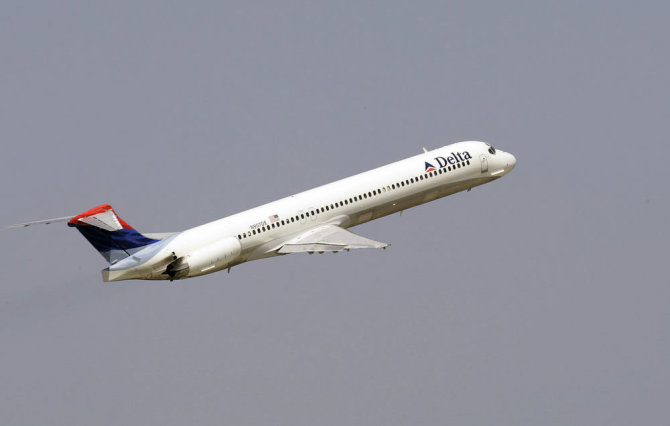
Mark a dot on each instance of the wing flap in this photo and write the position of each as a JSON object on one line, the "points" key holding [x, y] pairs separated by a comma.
{"points": [[327, 238]]}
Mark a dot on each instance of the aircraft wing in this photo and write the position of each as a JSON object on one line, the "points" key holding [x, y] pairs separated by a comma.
{"points": [[327, 238]]}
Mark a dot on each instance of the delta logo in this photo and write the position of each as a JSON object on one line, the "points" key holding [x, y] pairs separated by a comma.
{"points": [[442, 162]]}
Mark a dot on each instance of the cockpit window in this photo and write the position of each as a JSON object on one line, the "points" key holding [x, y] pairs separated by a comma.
{"points": [[492, 150]]}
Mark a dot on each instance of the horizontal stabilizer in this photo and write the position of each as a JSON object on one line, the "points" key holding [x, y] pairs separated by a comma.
{"points": [[327, 238], [42, 222]]}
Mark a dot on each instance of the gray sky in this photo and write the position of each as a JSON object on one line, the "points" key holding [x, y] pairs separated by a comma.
{"points": [[541, 298]]}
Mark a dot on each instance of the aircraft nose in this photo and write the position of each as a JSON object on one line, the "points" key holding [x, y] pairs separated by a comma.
{"points": [[511, 161]]}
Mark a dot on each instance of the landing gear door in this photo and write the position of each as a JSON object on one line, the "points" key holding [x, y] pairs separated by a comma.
{"points": [[484, 162]]}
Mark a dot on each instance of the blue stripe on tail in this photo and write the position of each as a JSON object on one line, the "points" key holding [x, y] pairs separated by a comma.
{"points": [[123, 239], [114, 245]]}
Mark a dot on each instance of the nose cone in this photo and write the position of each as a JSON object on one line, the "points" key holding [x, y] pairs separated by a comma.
{"points": [[502, 163], [511, 162]]}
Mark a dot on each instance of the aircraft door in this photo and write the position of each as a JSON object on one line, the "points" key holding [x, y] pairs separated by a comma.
{"points": [[484, 162]]}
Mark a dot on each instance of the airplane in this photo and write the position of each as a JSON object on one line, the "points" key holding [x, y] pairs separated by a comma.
{"points": [[311, 221]]}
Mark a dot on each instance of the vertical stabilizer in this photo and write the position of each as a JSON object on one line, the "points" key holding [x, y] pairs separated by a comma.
{"points": [[109, 234]]}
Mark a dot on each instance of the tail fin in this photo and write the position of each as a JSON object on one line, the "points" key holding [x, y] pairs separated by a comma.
{"points": [[109, 234]]}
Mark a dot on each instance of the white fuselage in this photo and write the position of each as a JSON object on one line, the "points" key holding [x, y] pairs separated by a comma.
{"points": [[257, 233]]}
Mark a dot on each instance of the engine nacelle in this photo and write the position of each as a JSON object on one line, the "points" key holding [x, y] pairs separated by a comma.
{"points": [[213, 257]]}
